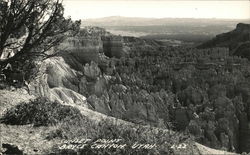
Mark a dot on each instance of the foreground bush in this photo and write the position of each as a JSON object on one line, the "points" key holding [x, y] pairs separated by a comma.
{"points": [[40, 112]]}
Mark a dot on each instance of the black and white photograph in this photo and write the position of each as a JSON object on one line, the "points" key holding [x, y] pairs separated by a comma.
{"points": [[124, 77]]}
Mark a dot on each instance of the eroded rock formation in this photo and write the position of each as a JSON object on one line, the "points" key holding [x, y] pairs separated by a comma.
{"points": [[204, 92]]}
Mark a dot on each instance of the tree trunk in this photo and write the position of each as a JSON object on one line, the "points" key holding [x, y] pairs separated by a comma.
{"points": [[17, 57]]}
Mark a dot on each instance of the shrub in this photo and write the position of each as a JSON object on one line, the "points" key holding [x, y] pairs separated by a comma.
{"points": [[40, 112]]}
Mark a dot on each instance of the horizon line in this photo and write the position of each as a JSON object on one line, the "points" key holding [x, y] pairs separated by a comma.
{"points": [[166, 18]]}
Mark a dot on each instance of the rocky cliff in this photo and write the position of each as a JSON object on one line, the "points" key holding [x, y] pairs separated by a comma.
{"points": [[237, 41], [113, 46]]}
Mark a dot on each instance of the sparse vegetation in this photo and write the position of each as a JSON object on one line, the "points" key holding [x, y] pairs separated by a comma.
{"points": [[129, 134]]}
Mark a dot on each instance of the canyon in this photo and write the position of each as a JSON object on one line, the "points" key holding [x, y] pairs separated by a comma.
{"points": [[204, 92]]}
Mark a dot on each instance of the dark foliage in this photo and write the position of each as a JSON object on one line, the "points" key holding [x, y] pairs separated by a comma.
{"points": [[29, 28], [40, 112], [11, 149]]}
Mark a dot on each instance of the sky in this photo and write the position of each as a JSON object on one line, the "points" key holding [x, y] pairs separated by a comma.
{"points": [[220, 9]]}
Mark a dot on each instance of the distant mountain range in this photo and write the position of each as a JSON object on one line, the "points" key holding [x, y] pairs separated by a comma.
{"points": [[214, 32], [139, 21], [184, 30]]}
